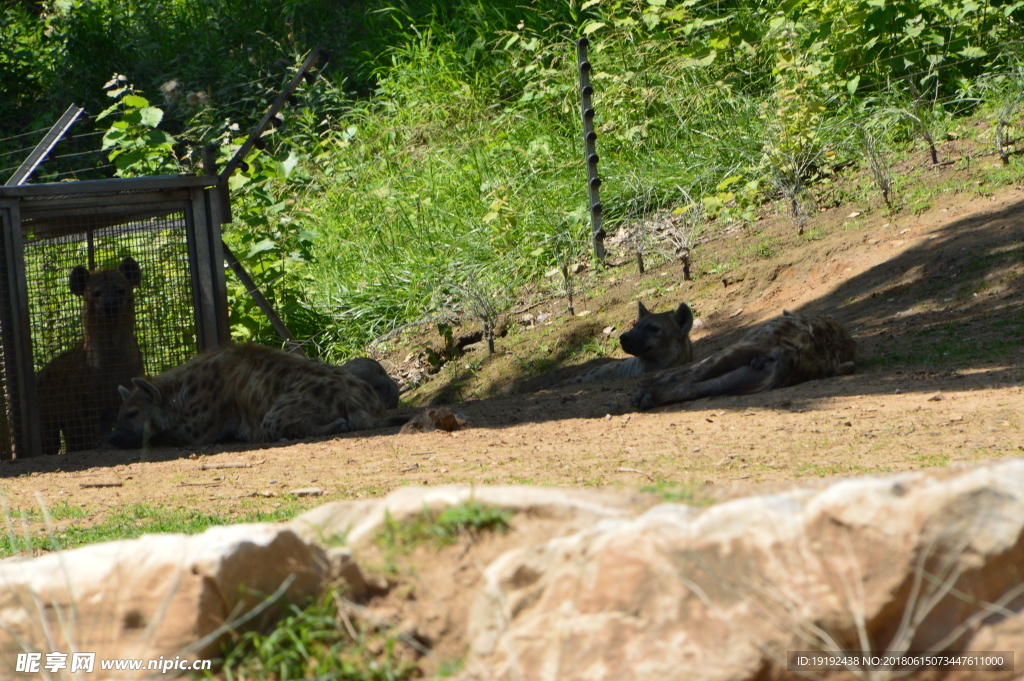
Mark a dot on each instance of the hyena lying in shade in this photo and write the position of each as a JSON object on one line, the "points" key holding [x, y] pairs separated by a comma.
{"points": [[247, 393], [78, 389], [657, 341], [372, 372], [785, 351]]}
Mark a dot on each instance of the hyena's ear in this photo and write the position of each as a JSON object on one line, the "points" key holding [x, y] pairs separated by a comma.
{"points": [[684, 318], [78, 278], [641, 310], [124, 392], [787, 313], [145, 386], [131, 271]]}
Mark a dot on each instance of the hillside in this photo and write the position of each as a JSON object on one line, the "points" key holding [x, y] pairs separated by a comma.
{"points": [[934, 299]]}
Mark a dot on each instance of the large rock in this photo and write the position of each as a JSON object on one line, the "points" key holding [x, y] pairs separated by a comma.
{"points": [[159, 595], [909, 562], [356, 522]]}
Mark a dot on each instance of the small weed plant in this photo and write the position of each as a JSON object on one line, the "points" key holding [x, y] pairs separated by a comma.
{"points": [[318, 641], [468, 519]]}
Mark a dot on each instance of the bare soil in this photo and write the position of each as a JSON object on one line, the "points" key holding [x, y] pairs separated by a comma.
{"points": [[935, 299]]}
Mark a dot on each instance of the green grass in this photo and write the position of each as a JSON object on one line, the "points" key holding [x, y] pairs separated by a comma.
{"points": [[469, 518], [677, 492], [442, 140], [316, 641], [126, 523]]}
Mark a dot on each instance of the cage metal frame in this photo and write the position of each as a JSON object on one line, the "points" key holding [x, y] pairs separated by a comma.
{"points": [[57, 209]]}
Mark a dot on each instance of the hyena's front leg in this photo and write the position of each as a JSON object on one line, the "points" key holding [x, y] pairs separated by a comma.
{"points": [[737, 371], [666, 387]]}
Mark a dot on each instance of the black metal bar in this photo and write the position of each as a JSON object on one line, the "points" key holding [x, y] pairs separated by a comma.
{"points": [[590, 146], [18, 337], [218, 200], [204, 271], [118, 184], [193, 268], [276, 107], [254, 291], [49, 140]]}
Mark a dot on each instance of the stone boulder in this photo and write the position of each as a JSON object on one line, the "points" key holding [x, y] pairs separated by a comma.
{"points": [[909, 562], [356, 522], [159, 595]]}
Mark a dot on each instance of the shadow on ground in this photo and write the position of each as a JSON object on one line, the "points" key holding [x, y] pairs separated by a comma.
{"points": [[944, 314]]}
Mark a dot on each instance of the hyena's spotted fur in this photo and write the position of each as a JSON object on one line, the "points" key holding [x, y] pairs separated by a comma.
{"points": [[78, 390], [785, 351], [247, 393], [373, 373], [656, 341]]}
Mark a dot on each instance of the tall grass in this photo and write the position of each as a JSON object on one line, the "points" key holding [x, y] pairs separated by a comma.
{"points": [[442, 142]]}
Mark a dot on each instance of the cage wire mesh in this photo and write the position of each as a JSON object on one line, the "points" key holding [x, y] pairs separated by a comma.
{"points": [[77, 380]]}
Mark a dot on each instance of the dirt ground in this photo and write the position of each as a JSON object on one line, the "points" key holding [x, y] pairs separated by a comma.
{"points": [[935, 300]]}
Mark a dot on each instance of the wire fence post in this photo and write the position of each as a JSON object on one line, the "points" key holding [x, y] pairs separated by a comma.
{"points": [[222, 195], [590, 140], [45, 145]]}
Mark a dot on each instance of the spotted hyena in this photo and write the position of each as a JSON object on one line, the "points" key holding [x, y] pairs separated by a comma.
{"points": [[373, 373], [656, 341], [785, 351], [78, 393], [247, 393]]}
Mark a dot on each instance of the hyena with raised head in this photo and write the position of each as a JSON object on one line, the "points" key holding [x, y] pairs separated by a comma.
{"points": [[657, 341], [78, 390], [784, 351], [248, 393]]}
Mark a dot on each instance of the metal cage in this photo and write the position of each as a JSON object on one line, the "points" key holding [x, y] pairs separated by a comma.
{"points": [[171, 227]]}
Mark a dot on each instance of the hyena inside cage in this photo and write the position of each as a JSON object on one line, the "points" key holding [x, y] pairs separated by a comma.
{"points": [[100, 282]]}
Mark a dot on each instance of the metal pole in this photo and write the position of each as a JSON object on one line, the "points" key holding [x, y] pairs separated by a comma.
{"points": [[49, 140], [254, 291], [278, 104], [221, 195], [589, 140]]}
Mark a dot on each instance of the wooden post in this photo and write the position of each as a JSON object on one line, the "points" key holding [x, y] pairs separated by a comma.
{"points": [[589, 141]]}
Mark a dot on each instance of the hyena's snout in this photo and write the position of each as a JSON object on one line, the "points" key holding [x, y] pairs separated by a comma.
{"points": [[124, 438], [635, 343]]}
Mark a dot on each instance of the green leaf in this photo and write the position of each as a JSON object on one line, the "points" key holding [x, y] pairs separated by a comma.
{"points": [[593, 26], [289, 163], [106, 112], [150, 116], [261, 247], [728, 182], [589, 3], [135, 101], [851, 85], [657, 3], [972, 52], [237, 181]]}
